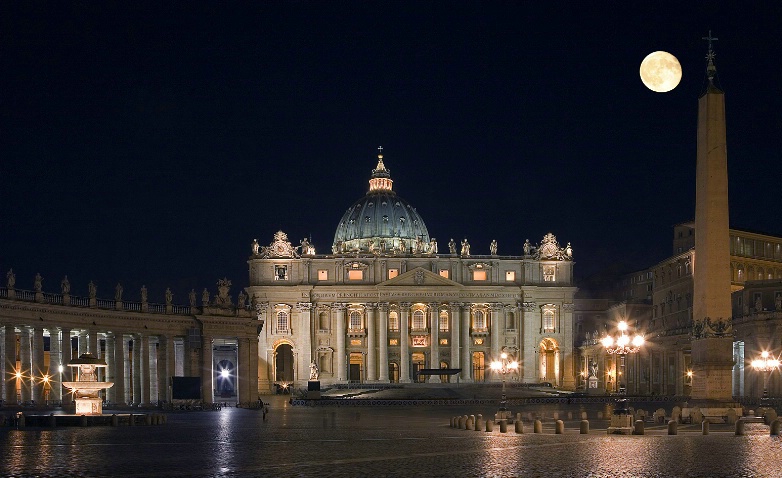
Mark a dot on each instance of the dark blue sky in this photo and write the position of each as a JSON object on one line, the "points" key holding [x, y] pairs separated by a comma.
{"points": [[151, 143]]}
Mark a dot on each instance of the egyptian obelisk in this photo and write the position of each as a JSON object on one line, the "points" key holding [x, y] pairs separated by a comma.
{"points": [[712, 344]]}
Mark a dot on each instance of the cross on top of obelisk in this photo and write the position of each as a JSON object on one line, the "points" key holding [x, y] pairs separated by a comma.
{"points": [[710, 68]]}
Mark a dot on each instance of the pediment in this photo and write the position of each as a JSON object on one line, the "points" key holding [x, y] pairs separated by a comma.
{"points": [[419, 277]]}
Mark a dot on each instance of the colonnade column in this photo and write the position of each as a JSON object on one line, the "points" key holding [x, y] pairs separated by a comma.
{"points": [[136, 373], [434, 324], [454, 328], [383, 339], [127, 369], [5, 378], [81, 343], [465, 360], [54, 365], [163, 367], [253, 344], [371, 343], [495, 337], [404, 342], [9, 353], [92, 343], [111, 368], [154, 392], [207, 374], [66, 351], [243, 371], [341, 366], [25, 366], [305, 313], [144, 377], [38, 367]]}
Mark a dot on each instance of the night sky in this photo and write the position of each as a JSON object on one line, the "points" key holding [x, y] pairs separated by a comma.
{"points": [[149, 143]]}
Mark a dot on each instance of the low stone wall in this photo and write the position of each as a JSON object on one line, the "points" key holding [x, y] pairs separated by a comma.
{"points": [[364, 402]]}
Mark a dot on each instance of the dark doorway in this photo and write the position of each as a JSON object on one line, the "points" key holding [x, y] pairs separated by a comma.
{"points": [[283, 358]]}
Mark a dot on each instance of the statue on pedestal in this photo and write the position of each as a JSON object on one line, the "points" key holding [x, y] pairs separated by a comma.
{"points": [[38, 283], [493, 247], [205, 297], [118, 292], [240, 300], [527, 247], [10, 279], [192, 297], [93, 290], [65, 286], [433, 246], [169, 296], [452, 246], [465, 248], [314, 371], [255, 246]]}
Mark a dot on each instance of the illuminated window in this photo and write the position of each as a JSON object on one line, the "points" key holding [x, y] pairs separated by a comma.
{"points": [[419, 341], [355, 320], [548, 319], [443, 321], [549, 273], [479, 275], [478, 341], [510, 276], [355, 341], [393, 273], [355, 274], [393, 342], [418, 320], [280, 272], [479, 320], [282, 321], [444, 273], [443, 341], [323, 274], [393, 322]]}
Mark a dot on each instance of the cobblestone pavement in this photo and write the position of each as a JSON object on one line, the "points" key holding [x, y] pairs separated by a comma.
{"points": [[350, 442]]}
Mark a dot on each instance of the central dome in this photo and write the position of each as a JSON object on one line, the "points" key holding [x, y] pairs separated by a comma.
{"points": [[381, 222]]}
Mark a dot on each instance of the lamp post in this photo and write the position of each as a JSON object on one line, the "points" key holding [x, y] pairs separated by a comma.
{"points": [[504, 366], [765, 365], [621, 345]]}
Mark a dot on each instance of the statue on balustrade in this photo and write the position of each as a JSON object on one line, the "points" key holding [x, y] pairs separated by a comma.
{"points": [[38, 284], [452, 246], [65, 286], [433, 246], [240, 300], [255, 246], [169, 296], [118, 292], [527, 247], [205, 297], [465, 248], [10, 279], [192, 297], [93, 290], [493, 247]]}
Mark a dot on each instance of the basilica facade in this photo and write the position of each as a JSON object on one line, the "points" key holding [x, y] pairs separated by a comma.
{"points": [[385, 305]]}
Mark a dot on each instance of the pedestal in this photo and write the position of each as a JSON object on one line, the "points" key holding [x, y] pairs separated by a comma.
{"points": [[89, 406], [313, 389], [621, 419], [592, 386]]}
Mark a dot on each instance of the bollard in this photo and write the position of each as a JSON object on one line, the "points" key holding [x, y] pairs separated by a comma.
{"points": [[556, 415], [131, 420], [462, 421], [559, 427], [478, 417], [774, 430], [639, 427], [769, 416], [114, 420], [584, 427], [673, 428], [705, 427], [739, 427], [519, 426], [453, 420], [503, 426], [147, 419], [537, 427], [469, 424], [584, 415], [489, 425], [478, 424], [518, 416], [472, 417], [84, 420]]}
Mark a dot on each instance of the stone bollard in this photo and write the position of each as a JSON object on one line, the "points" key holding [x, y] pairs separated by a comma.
{"points": [[451, 424], [769, 416], [775, 425], [114, 420], [131, 420], [164, 418], [519, 426], [705, 427], [147, 419], [52, 420], [518, 416], [479, 424], [462, 421], [584, 427], [638, 429], [478, 417], [673, 426], [559, 427], [569, 415], [472, 417], [739, 427], [84, 420], [584, 415], [503, 426], [489, 425], [556, 415], [537, 426], [20, 417], [469, 424]]}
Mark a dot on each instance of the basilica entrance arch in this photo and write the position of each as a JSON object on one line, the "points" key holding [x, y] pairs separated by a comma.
{"points": [[283, 363], [225, 376], [548, 369]]}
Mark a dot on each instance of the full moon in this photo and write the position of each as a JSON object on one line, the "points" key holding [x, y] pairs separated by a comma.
{"points": [[661, 71]]}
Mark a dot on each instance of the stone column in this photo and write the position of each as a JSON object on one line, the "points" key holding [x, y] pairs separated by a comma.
{"points": [[434, 323], [305, 332], [371, 343], [253, 374], [111, 366], [136, 373], [383, 339], [9, 353], [25, 367], [54, 364], [207, 374], [38, 366], [495, 337], [531, 321], [164, 367], [404, 342], [454, 329], [243, 371], [341, 365], [144, 377], [92, 345], [120, 369], [82, 347], [66, 351], [128, 376], [466, 342], [154, 392]]}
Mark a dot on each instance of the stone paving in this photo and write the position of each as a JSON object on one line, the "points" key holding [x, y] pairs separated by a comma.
{"points": [[348, 442]]}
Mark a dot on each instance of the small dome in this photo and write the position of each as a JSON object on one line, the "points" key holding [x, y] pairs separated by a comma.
{"points": [[381, 222]]}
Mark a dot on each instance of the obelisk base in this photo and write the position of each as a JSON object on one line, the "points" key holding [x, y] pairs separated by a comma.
{"points": [[712, 370]]}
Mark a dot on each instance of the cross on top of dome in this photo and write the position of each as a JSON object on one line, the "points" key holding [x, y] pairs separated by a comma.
{"points": [[381, 177]]}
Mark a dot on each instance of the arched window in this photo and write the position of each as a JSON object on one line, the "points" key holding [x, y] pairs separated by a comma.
{"points": [[548, 319], [443, 321], [282, 321], [393, 322], [418, 320], [355, 320], [479, 320]]}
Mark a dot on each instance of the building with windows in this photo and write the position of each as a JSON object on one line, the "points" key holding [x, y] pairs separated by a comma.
{"points": [[385, 303]]}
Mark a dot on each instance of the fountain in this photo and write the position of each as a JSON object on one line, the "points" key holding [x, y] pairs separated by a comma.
{"points": [[87, 388]]}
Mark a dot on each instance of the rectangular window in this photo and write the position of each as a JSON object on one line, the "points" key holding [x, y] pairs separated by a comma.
{"points": [[355, 275], [393, 342], [549, 273], [280, 272], [444, 322], [393, 322], [478, 275], [444, 273], [393, 273], [510, 276], [443, 341], [419, 341], [355, 342], [323, 274]]}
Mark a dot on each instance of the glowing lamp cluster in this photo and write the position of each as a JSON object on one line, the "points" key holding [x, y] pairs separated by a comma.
{"points": [[504, 366], [764, 363], [622, 344]]}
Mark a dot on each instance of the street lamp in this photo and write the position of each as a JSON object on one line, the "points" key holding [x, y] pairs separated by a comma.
{"points": [[765, 365], [504, 366], [622, 345]]}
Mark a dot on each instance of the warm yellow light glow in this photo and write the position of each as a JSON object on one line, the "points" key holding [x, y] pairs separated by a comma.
{"points": [[513, 365], [496, 365], [622, 326], [45, 379], [764, 354], [60, 368], [503, 355], [623, 340], [638, 341], [660, 71], [18, 375], [607, 341], [689, 373]]}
